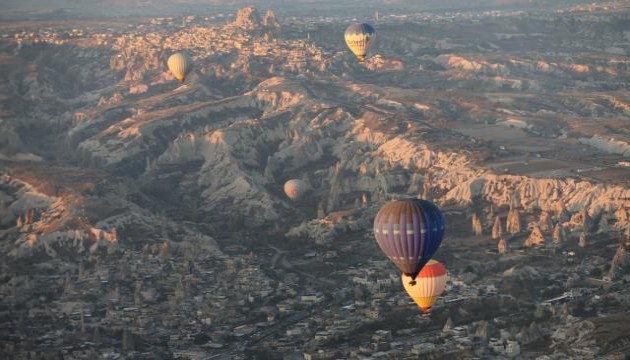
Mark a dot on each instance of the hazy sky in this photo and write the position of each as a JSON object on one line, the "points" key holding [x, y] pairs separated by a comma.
{"points": [[105, 8]]}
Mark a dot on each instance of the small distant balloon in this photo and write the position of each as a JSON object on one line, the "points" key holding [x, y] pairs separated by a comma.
{"points": [[180, 64], [428, 286], [359, 38], [294, 189]]}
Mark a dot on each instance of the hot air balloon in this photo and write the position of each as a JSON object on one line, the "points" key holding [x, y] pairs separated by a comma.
{"points": [[409, 232], [428, 287], [294, 189], [359, 37], [180, 65]]}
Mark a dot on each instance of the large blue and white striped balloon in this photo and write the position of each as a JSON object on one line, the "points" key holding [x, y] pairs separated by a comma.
{"points": [[409, 232]]}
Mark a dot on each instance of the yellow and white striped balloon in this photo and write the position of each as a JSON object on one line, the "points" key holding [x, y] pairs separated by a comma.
{"points": [[180, 65]]}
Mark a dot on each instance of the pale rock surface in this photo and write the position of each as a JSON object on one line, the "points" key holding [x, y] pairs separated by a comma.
{"points": [[513, 223], [535, 238], [247, 18], [477, 228], [497, 228]]}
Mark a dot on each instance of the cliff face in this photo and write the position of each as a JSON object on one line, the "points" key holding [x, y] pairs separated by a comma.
{"points": [[282, 126], [260, 111], [248, 18], [538, 193]]}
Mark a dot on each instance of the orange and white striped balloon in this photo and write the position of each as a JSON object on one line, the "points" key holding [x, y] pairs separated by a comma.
{"points": [[428, 286]]}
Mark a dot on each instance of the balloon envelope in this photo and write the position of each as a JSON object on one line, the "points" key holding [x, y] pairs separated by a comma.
{"points": [[409, 232], [294, 189], [358, 38], [428, 286], [180, 65]]}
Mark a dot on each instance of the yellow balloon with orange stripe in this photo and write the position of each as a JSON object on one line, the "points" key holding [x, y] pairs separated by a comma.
{"points": [[428, 286], [359, 38]]}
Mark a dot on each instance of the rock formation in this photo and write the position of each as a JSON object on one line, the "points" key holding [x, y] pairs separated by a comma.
{"points": [[513, 223], [503, 246], [248, 18], [535, 237], [559, 235], [481, 330], [477, 228], [603, 226], [321, 210], [582, 240], [497, 228], [448, 325], [210, 152], [546, 222], [620, 260], [270, 21], [491, 215], [623, 220], [582, 220], [562, 214], [515, 199]]}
